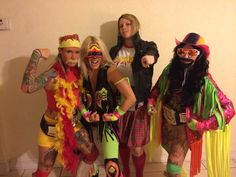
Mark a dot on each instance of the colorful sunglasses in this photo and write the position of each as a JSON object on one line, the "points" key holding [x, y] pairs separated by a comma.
{"points": [[192, 53]]}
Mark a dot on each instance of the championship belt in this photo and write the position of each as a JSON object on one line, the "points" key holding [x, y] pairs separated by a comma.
{"points": [[47, 128], [182, 117], [173, 117]]}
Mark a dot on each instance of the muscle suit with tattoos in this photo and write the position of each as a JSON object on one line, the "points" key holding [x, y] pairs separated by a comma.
{"points": [[61, 133]]}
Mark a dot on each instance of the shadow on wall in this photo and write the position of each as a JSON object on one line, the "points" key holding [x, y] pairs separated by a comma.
{"points": [[21, 113], [108, 33]]}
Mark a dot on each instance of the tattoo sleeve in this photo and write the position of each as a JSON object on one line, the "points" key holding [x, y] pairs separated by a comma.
{"points": [[31, 82]]}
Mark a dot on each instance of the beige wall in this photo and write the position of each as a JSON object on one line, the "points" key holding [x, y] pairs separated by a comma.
{"points": [[39, 23]]}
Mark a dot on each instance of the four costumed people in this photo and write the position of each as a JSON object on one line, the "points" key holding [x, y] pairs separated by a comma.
{"points": [[185, 104]]}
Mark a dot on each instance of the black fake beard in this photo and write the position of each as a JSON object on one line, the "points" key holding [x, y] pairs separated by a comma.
{"points": [[186, 61], [178, 63]]}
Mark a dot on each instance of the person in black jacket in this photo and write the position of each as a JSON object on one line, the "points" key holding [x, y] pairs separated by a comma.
{"points": [[135, 58]]}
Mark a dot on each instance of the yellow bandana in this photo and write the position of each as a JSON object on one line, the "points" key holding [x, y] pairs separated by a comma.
{"points": [[70, 43]]}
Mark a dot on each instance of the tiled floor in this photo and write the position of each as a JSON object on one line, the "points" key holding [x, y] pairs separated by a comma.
{"points": [[151, 170]]}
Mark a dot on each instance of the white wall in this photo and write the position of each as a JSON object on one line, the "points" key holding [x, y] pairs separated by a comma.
{"points": [[39, 23]]}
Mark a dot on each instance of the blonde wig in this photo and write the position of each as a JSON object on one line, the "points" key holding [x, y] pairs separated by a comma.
{"points": [[90, 40]]}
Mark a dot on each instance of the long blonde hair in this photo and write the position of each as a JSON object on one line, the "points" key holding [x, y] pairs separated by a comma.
{"points": [[84, 52]]}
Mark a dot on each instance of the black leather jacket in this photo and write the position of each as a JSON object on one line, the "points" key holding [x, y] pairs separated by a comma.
{"points": [[142, 76]]}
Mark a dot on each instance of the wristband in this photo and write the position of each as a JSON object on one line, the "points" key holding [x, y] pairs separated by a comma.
{"points": [[149, 107], [84, 112], [193, 124], [119, 111], [117, 114]]}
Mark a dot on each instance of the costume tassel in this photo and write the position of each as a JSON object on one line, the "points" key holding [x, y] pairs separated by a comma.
{"points": [[196, 156], [155, 132], [217, 151]]}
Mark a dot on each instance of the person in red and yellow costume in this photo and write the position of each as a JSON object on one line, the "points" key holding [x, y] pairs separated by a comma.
{"points": [[188, 103], [101, 81], [61, 133]]}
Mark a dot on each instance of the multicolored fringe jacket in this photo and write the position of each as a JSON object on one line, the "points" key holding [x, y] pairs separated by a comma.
{"points": [[214, 111]]}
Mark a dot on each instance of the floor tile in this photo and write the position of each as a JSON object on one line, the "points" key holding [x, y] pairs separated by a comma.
{"points": [[150, 170], [153, 174], [84, 168], [65, 173], [233, 154], [232, 163], [83, 171], [204, 164], [203, 173], [233, 172], [155, 167], [15, 173], [186, 166], [55, 173]]}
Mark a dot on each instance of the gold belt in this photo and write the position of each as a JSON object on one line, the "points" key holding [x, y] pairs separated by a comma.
{"points": [[172, 116]]}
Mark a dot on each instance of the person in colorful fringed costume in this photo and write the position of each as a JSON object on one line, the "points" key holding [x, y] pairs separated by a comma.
{"points": [[187, 103], [61, 133], [101, 80], [135, 58]]}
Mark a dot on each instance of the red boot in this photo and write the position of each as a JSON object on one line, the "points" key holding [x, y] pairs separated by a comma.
{"points": [[40, 173]]}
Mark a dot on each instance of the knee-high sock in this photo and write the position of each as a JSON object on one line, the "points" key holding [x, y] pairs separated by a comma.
{"points": [[139, 163], [40, 173], [124, 151]]}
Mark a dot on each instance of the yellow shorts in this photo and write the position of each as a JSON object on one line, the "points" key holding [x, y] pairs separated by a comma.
{"points": [[49, 141], [45, 140]]}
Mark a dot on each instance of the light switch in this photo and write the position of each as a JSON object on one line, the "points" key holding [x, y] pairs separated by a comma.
{"points": [[4, 24]]}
